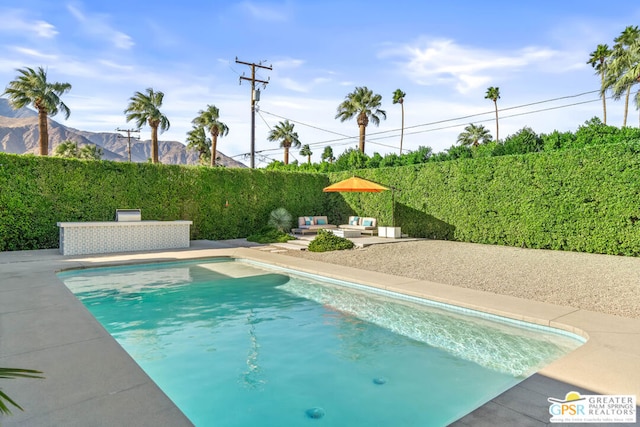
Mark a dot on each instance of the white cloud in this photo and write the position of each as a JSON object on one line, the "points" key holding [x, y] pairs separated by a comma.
{"points": [[300, 83], [13, 20], [162, 35], [289, 104], [119, 67], [288, 63], [321, 80], [443, 61], [271, 13], [34, 53], [296, 85], [97, 26], [8, 66], [44, 29], [291, 84], [122, 41]]}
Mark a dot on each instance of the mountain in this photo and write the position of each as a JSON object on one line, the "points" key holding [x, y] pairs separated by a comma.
{"points": [[19, 135], [7, 111]]}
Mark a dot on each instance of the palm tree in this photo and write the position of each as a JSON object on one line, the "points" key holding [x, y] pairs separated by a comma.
{"points": [[327, 154], [474, 135], [284, 133], [363, 104], [91, 152], [68, 149], [623, 71], [398, 98], [209, 119], [31, 88], [493, 93], [598, 60], [637, 100], [144, 108], [306, 151], [197, 140]]}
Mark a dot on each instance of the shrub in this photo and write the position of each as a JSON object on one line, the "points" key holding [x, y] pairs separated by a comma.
{"points": [[522, 142], [327, 241], [280, 219], [270, 235]]}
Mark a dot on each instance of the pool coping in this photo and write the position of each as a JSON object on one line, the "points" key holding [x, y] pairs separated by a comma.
{"points": [[89, 376]]}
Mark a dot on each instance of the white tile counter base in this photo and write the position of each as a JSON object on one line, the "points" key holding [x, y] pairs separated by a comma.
{"points": [[81, 238]]}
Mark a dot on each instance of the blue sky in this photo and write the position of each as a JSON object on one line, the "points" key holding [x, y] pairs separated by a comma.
{"points": [[443, 55]]}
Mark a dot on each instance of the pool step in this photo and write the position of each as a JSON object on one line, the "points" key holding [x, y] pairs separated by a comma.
{"points": [[294, 245], [283, 247]]}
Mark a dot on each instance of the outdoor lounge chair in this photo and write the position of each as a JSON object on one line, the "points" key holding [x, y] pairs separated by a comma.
{"points": [[365, 225], [311, 224]]}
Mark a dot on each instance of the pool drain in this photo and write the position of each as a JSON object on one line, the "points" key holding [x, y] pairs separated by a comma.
{"points": [[379, 381], [315, 413]]}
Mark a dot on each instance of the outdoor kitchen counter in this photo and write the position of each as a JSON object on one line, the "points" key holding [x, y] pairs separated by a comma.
{"points": [[81, 238]]}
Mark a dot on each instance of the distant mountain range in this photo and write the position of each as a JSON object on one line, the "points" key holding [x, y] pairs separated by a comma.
{"points": [[19, 135]]}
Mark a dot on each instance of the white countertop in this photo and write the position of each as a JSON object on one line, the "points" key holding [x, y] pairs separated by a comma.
{"points": [[121, 223]]}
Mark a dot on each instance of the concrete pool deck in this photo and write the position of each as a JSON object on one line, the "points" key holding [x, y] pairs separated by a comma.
{"points": [[90, 380]]}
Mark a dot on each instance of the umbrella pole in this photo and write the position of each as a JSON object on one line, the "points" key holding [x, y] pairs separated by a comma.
{"points": [[393, 206]]}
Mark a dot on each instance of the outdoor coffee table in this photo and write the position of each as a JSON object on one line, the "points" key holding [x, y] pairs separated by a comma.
{"points": [[344, 232]]}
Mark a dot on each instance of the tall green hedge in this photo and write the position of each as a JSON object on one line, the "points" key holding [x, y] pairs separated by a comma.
{"points": [[585, 200], [37, 192]]}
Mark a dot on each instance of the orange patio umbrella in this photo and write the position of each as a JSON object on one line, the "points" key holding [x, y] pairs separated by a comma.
{"points": [[355, 184]]}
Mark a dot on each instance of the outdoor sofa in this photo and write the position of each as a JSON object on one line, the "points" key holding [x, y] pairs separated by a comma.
{"points": [[311, 224], [365, 225]]}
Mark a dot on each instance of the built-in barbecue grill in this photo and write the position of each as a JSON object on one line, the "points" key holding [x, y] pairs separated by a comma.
{"points": [[128, 215]]}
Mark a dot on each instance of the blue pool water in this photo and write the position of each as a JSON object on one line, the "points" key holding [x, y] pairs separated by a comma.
{"points": [[235, 344]]}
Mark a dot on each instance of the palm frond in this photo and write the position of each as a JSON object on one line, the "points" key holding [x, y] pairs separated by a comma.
{"points": [[19, 373], [9, 373], [4, 409]]}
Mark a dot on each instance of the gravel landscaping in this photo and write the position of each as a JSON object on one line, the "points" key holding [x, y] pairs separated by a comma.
{"points": [[603, 283]]}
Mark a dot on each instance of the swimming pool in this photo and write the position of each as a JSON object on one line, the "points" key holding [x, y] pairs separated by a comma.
{"points": [[236, 343]]}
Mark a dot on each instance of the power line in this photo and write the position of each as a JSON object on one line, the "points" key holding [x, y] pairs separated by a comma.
{"points": [[373, 137], [312, 126], [307, 125], [263, 119], [503, 117], [503, 109], [455, 118]]}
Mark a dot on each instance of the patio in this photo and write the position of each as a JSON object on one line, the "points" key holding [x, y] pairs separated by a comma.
{"points": [[89, 377], [361, 241]]}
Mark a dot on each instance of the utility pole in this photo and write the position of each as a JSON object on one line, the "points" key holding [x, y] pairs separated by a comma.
{"points": [[129, 131], [255, 96]]}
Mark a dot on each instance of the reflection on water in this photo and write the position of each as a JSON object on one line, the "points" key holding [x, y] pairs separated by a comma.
{"points": [[251, 378], [505, 348]]}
